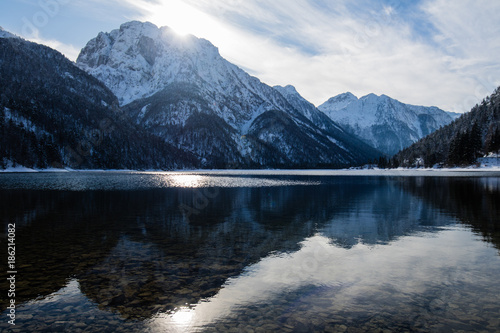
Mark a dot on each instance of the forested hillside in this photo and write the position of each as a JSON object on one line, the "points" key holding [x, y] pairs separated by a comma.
{"points": [[52, 114], [473, 135]]}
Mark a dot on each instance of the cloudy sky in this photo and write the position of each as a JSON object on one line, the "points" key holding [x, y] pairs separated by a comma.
{"points": [[426, 52]]}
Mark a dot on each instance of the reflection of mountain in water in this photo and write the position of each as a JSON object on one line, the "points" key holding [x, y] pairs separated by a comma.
{"points": [[382, 214], [133, 252]]}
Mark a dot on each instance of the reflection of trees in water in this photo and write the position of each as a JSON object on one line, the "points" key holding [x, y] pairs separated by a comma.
{"points": [[474, 201], [134, 253]]}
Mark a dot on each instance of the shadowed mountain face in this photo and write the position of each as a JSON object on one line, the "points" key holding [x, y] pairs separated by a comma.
{"points": [[139, 252]]}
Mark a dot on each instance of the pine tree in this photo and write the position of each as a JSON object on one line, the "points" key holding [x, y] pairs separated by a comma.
{"points": [[492, 143], [476, 143], [382, 163], [454, 154]]}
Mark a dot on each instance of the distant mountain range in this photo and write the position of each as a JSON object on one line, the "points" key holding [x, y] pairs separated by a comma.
{"points": [[383, 122], [143, 97]]}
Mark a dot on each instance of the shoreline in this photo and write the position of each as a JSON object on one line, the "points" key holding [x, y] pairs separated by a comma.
{"points": [[489, 170]]}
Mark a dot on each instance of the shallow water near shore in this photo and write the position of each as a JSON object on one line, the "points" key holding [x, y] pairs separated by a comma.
{"points": [[261, 251]]}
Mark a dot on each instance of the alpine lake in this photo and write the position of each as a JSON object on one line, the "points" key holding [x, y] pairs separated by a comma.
{"points": [[251, 251]]}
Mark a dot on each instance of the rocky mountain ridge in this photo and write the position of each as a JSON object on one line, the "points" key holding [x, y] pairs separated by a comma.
{"points": [[383, 122]]}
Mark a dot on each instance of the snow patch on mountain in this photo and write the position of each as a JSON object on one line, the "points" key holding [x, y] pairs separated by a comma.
{"points": [[23, 122]]}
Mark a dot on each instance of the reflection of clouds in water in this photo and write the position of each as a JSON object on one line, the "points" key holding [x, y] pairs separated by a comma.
{"points": [[181, 320], [410, 266], [70, 292]]}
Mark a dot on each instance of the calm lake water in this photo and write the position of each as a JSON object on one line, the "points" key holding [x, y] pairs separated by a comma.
{"points": [[252, 252]]}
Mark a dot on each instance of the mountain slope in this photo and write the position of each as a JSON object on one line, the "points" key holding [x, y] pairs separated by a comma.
{"points": [[474, 134], [53, 114], [182, 90], [383, 122], [319, 118], [6, 34]]}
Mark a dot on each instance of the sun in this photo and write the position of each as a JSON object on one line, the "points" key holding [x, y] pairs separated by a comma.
{"points": [[181, 17], [190, 19]]}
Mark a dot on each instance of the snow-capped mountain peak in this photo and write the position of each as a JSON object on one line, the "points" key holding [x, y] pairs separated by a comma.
{"points": [[383, 122], [293, 97], [339, 102], [140, 59], [287, 90]]}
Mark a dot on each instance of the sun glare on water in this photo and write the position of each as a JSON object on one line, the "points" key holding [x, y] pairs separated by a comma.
{"points": [[187, 180], [183, 317], [182, 320]]}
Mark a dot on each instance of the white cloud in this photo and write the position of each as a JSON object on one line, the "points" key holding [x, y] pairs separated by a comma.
{"points": [[71, 52], [408, 265], [358, 55], [33, 34], [469, 31], [326, 48], [326, 51]]}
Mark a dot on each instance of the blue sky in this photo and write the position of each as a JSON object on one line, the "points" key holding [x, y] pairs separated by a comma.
{"points": [[424, 52]]}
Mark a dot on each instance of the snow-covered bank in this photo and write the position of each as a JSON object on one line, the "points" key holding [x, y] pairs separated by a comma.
{"points": [[21, 169], [489, 165], [492, 161], [451, 172], [18, 168], [472, 171]]}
